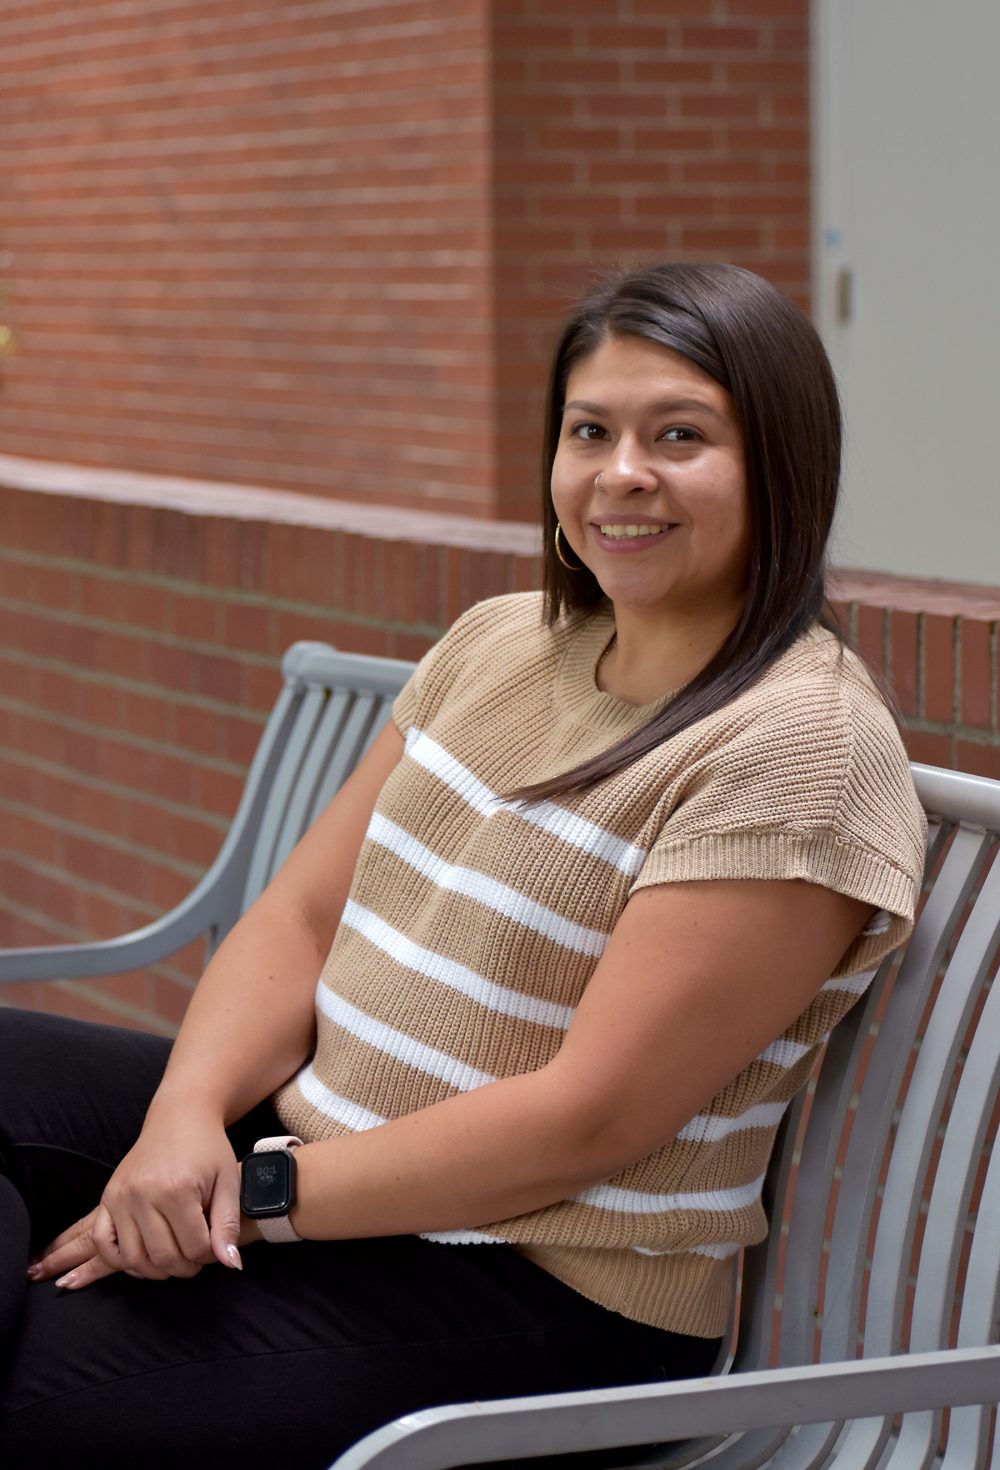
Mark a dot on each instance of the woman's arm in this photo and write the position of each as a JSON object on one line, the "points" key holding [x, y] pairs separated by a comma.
{"points": [[697, 979], [174, 1200]]}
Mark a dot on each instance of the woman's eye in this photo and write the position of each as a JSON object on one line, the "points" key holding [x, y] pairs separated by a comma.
{"points": [[588, 432], [681, 435]]}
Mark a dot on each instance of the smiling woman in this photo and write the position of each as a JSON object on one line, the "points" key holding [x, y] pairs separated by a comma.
{"points": [[649, 485], [515, 1025]]}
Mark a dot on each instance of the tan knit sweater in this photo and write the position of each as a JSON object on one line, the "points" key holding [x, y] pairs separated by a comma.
{"points": [[473, 924]]}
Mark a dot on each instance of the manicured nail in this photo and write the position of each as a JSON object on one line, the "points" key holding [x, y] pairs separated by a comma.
{"points": [[234, 1257], [68, 1280], [34, 1270]]}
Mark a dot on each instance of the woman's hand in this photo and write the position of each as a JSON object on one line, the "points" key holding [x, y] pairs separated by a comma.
{"points": [[171, 1207]]}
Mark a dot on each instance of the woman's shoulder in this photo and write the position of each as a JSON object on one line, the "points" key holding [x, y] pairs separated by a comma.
{"points": [[820, 685], [811, 729]]}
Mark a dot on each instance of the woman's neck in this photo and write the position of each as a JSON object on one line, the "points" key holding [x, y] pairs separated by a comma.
{"points": [[650, 656]]}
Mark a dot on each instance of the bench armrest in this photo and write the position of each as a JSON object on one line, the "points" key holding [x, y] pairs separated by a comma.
{"points": [[462, 1434]]}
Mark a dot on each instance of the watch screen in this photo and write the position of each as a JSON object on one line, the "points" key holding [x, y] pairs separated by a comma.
{"points": [[267, 1184]]}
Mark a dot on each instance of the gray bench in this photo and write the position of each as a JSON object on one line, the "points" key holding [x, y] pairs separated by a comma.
{"points": [[887, 1267]]}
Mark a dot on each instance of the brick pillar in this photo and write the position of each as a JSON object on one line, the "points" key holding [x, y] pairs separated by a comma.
{"points": [[650, 130]]}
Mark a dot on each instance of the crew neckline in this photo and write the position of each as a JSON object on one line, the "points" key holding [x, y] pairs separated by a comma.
{"points": [[576, 685]]}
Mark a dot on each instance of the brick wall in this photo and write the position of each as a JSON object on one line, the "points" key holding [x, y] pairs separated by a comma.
{"points": [[141, 624], [250, 241], [315, 246]]}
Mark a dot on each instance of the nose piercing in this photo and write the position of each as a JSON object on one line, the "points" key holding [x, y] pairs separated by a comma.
{"points": [[597, 481]]}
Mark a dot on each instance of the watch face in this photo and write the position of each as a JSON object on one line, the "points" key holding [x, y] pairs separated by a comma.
{"points": [[268, 1186]]}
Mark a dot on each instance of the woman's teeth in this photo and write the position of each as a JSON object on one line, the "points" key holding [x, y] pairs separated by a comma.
{"points": [[617, 532]]}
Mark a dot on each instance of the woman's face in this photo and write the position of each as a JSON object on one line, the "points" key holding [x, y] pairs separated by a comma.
{"points": [[649, 481]]}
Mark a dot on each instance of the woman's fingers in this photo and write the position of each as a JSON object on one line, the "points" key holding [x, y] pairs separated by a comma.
{"points": [[85, 1274], [224, 1218], [69, 1249], [122, 1246]]}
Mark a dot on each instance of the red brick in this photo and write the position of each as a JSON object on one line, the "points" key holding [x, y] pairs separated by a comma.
{"points": [[170, 999], [978, 642], [720, 237], [759, 10], [196, 619], [703, 104], [198, 730], [358, 638], [166, 888], [216, 676], [978, 759], [938, 667], [219, 792], [870, 635], [930, 749], [408, 646], [260, 685], [241, 738], [903, 675]]}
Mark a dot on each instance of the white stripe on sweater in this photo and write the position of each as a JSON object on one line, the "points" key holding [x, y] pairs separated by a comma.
{"points": [[565, 825], [449, 972], [639, 1202], [332, 1105], [855, 984], [398, 1045], [461, 1237], [784, 1053], [717, 1252], [711, 1127], [499, 897]]}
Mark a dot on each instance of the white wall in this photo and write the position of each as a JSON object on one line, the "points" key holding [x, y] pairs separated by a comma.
{"points": [[907, 109]]}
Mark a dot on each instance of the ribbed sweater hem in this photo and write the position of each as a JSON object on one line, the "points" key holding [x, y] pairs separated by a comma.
{"points": [[686, 1293]]}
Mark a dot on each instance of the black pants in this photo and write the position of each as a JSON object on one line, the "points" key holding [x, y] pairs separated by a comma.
{"points": [[288, 1362]]}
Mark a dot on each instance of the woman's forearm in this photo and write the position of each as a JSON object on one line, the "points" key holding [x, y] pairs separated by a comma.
{"points": [[501, 1150]]}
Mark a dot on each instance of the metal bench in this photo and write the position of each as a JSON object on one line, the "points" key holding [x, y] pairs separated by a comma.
{"points": [[886, 1265]]}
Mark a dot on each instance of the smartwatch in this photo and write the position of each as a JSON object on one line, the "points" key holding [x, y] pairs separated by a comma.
{"points": [[267, 1189]]}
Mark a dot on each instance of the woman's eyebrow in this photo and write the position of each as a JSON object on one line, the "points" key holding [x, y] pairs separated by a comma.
{"points": [[664, 405]]}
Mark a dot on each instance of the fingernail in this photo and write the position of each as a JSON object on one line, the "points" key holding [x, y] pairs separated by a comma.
{"points": [[234, 1257], [68, 1280], [34, 1270]]}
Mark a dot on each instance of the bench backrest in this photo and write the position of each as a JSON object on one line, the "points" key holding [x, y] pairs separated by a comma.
{"points": [[329, 712], [883, 1176]]}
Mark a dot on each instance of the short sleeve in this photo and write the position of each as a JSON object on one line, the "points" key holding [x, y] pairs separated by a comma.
{"points": [[815, 789], [407, 701]]}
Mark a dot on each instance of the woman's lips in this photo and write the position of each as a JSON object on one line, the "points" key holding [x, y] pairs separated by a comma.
{"points": [[630, 536]]}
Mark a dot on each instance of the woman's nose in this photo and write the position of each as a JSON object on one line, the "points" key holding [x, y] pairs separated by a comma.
{"points": [[628, 469]]}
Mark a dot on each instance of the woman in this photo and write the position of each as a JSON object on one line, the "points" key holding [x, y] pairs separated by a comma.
{"points": [[575, 919]]}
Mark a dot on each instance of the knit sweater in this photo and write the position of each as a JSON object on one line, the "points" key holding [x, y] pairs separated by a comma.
{"points": [[474, 923]]}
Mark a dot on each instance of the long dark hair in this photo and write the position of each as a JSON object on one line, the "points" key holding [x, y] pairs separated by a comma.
{"points": [[760, 347]]}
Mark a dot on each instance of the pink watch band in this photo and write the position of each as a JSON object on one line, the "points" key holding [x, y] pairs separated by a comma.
{"points": [[277, 1229]]}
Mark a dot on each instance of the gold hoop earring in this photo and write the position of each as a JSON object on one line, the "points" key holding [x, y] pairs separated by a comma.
{"points": [[567, 564]]}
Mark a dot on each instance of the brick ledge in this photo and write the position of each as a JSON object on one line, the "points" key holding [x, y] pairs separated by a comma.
{"points": [[255, 503], [387, 523]]}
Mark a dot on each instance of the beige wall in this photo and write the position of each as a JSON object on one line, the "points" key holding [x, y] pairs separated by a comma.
{"points": [[908, 202]]}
